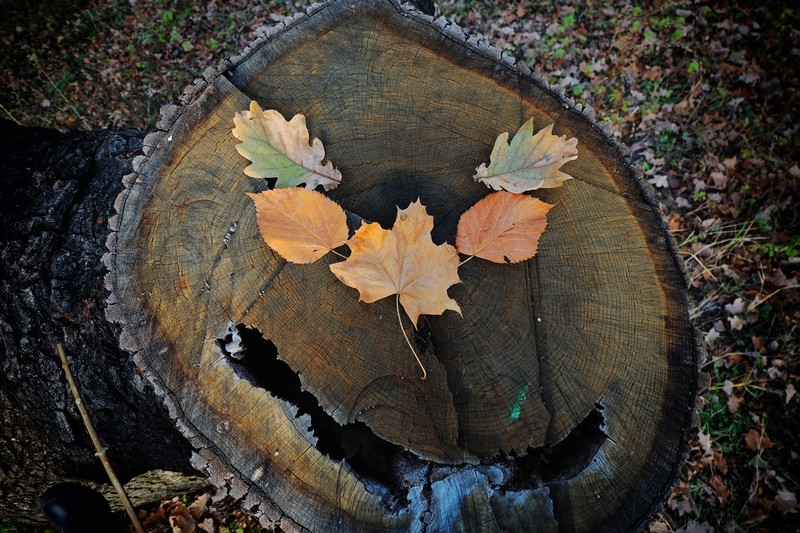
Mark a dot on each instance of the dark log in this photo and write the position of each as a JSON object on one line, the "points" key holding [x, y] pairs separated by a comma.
{"points": [[57, 193], [559, 401]]}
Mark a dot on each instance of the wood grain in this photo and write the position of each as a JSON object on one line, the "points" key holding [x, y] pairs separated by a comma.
{"points": [[407, 108]]}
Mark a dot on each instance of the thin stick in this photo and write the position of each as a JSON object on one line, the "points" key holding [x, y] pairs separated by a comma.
{"points": [[12, 117], [69, 104], [397, 307], [101, 451]]}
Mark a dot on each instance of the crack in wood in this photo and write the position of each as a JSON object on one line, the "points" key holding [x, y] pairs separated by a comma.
{"points": [[385, 468]]}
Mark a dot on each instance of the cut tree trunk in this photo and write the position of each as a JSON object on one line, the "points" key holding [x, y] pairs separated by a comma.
{"points": [[560, 400], [57, 193]]}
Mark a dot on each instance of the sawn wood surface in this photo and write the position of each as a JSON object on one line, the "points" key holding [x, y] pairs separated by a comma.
{"points": [[407, 107]]}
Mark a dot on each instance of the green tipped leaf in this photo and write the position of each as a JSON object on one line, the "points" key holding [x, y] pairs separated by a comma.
{"points": [[281, 149], [529, 161]]}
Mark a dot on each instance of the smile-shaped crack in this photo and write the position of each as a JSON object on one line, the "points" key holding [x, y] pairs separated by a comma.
{"points": [[387, 468]]}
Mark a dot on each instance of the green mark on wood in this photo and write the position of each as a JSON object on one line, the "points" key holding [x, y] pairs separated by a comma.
{"points": [[516, 407]]}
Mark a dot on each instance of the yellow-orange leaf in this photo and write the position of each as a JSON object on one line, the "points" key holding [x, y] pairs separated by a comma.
{"points": [[299, 224], [281, 149], [402, 261], [529, 161], [503, 227]]}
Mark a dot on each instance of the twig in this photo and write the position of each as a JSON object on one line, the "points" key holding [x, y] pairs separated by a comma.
{"points": [[12, 117], [101, 451], [758, 301], [66, 100]]}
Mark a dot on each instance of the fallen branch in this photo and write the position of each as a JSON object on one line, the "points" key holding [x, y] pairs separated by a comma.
{"points": [[101, 450]]}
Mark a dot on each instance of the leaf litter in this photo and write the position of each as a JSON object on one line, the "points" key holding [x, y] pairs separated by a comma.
{"points": [[697, 91]]}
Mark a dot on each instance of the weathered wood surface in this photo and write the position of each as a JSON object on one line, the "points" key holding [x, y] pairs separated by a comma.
{"points": [[561, 398], [57, 192]]}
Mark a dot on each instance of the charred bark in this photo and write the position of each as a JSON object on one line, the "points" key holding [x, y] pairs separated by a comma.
{"points": [[57, 193]]}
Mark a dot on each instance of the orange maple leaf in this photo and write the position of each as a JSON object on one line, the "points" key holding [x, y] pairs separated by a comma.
{"points": [[301, 225], [502, 227], [403, 261]]}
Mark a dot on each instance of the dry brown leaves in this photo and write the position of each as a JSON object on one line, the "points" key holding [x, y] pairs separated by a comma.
{"points": [[303, 225], [402, 261]]}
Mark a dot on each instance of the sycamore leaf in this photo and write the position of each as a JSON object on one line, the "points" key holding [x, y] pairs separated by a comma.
{"points": [[402, 261], [529, 161], [299, 224], [280, 149], [502, 227]]}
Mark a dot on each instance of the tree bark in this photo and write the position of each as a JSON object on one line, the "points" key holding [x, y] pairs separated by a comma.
{"points": [[58, 192], [560, 400]]}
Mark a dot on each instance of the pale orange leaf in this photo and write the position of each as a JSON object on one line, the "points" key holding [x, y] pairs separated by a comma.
{"points": [[281, 149], [529, 161], [301, 225], [402, 261], [502, 227]]}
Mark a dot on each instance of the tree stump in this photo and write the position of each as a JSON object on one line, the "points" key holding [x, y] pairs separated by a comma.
{"points": [[558, 401]]}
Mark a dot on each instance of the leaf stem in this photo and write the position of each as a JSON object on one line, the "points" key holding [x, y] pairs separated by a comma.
{"points": [[465, 260], [340, 255], [101, 451], [400, 320]]}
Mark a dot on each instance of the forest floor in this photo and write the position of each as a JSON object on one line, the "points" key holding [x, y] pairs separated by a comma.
{"points": [[704, 94]]}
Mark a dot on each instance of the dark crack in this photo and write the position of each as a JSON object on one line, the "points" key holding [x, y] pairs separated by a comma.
{"points": [[385, 468]]}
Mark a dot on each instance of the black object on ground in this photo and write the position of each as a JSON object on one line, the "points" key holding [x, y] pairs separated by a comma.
{"points": [[74, 508]]}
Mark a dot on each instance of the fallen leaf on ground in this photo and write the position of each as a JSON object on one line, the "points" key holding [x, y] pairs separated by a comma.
{"points": [[402, 261], [704, 440], [680, 499], [786, 501], [696, 527], [756, 441], [659, 527], [281, 149], [711, 336], [736, 307], [181, 520], [207, 525], [721, 491], [736, 322], [529, 161], [502, 227], [727, 387], [719, 463], [199, 507], [659, 180], [299, 224], [734, 402]]}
